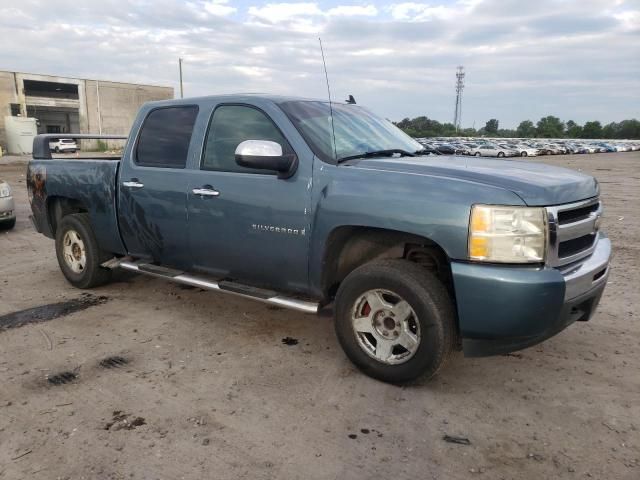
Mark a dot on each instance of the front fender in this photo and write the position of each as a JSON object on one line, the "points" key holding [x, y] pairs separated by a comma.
{"points": [[436, 208]]}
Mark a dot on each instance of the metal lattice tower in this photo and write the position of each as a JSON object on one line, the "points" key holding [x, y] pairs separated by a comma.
{"points": [[457, 117]]}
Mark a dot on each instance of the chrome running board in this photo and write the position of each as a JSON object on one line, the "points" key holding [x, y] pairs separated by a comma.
{"points": [[265, 296]]}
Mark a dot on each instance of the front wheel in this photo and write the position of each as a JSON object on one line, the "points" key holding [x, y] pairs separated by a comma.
{"points": [[500, 154], [79, 255], [477, 154], [395, 321], [524, 154], [8, 224]]}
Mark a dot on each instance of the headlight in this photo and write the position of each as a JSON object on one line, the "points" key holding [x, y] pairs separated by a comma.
{"points": [[5, 190], [507, 234]]}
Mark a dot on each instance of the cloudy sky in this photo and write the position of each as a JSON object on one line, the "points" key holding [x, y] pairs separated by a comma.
{"points": [[524, 59]]}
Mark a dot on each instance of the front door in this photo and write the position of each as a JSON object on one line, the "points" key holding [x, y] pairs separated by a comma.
{"points": [[249, 225], [153, 187]]}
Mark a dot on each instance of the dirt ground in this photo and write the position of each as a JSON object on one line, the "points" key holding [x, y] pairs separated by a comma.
{"points": [[206, 387]]}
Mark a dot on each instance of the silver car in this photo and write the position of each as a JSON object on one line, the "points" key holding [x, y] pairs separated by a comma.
{"points": [[490, 150], [7, 207]]}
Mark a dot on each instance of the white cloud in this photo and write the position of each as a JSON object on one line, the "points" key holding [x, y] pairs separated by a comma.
{"points": [[251, 71], [353, 11], [419, 12], [376, 52], [219, 7], [629, 18], [282, 12]]}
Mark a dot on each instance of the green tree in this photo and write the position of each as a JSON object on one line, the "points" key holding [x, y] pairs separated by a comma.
{"points": [[592, 130], [550, 127], [468, 132], [526, 129], [629, 129], [611, 130], [507, 133], [573, 129], [491, 127]]}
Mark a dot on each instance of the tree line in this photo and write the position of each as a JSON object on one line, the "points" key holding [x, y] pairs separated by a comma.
{"points": [[546, 127]]}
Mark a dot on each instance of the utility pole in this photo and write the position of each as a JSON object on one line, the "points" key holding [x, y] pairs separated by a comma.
{"points": [[457, 117], [180, 68]]}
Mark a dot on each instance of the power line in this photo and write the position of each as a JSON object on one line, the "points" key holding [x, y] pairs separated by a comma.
{"points": [[457, 116]]}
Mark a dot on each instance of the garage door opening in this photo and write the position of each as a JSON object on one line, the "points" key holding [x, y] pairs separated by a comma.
{"points": [[55, 119]]}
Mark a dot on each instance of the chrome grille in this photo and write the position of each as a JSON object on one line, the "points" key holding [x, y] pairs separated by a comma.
{"points": [[573, 231]]}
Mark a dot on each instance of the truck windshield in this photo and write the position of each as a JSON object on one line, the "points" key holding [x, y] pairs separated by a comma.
{"points": [[357, 131]]}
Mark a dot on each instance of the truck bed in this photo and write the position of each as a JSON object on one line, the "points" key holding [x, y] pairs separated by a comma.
{"points": [[90, 182]]}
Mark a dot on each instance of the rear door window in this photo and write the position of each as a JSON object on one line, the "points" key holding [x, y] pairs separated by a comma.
{"points": [[165, 136]]}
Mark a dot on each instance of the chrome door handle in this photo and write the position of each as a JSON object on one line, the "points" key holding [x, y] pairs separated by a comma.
{"points": [[206, 192], [132, 184]]}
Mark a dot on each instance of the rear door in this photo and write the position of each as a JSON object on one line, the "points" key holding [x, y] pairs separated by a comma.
{"points": [[152, 198], [254, 227]]}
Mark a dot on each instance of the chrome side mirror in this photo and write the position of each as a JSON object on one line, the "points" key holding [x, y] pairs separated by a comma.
{"points": [[266, 155], [259, 148]]}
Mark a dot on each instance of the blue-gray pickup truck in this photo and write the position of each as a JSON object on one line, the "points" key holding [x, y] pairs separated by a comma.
{"points": [[299, 205]]}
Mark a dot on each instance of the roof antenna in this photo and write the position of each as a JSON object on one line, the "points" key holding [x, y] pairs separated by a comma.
{"points": [[326, 76], [351, 100]]}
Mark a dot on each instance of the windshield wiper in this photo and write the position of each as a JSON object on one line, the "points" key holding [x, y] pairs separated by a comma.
{"points": [[378, 153]]}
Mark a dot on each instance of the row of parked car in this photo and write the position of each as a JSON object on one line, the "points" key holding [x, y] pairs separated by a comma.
{"points": [[508, 147]]}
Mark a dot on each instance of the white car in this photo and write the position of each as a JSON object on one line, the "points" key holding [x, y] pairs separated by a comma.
{"points": [[491, 151], [526, 151], [7, 207], [63, 145]]}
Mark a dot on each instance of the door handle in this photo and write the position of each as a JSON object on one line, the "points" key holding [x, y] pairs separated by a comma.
{"points": [[133, 183], [206, 192]]}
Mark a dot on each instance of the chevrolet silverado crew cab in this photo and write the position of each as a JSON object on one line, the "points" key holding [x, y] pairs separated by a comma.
{"points": [[295, 204]]}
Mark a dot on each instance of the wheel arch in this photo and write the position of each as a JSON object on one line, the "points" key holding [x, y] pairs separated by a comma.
{"points": [[59, 207], [348, 247]]}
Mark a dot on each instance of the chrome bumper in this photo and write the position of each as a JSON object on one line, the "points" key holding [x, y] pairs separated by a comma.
{"points": [[590, 274]]}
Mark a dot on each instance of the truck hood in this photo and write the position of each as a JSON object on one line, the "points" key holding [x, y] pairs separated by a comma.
{"points": [[536, 183]]}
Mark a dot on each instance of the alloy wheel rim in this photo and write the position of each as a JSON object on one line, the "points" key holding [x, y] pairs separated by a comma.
{"points": [[385, 326], [74, 252]]}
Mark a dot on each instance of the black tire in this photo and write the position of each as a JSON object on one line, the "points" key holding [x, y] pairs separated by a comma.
{"points": [[92, 274], [524, 154], [8, 224], [57, 150], [500, 154], [430, 302], [477, 154]]}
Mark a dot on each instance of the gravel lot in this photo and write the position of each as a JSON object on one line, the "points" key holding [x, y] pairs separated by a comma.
{"points": [[206, 387]]}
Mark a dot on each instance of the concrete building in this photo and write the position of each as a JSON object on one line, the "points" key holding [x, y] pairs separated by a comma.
{"points": [[73, 105]]}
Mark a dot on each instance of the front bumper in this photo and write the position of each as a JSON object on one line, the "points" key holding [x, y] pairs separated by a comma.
{"points": [[7, 209], [506, 308]]}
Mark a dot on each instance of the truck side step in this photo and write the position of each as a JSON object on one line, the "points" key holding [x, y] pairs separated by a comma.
{"points": [[159, 270], [246, 291]]}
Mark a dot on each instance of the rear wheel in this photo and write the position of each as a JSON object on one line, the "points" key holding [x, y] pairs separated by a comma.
{"points": [[57, 150], [78, 253], [477, 154], [500, 154], [524, 154], [395, 321]]}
